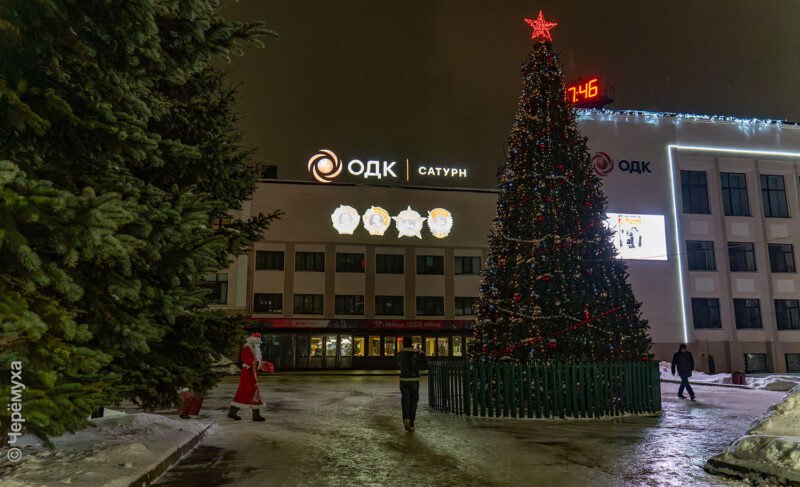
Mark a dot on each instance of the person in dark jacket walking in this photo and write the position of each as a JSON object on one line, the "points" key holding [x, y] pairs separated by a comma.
{"points": [[410, 361], [683, 362]]}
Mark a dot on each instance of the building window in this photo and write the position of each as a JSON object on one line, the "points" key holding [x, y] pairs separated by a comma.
{"points": [[269, 172], [787, 314], [458, 346], [218, 285], [349, 305], [374, 346], [389, 346], [747, 313], [734, 194], [793, 362], [389, 264], [694, 189], [773, 197], [742, 256], [700, 255], [430, 306], [309, 261], [430, 264], [465, 306], [389, 305], [781, 257], [308, 304], [705, 313], [269, 260], [218, 223], [430, 346], [755, 362], [349, 262], [468, 265], [268, 303]]}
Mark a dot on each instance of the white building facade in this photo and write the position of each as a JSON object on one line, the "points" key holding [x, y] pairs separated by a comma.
{"points": [[708, 217]]}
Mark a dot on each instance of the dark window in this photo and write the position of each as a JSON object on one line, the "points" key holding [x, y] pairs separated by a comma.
{"points": [[705, 313], [700, 255], [430, 306], [309, 261], [468, 265], [747, 313], [742, 256], [430, 264], [308, 304], [781, 257], [787, 314], [389, 264], [349, 305], [755, 362], [269, 260], [389, 305], [349, 262], [734, 194], [694, 188], [218, 285], [465, 306], [269, 172], [793, 362], [773, 197], [268, 303]]}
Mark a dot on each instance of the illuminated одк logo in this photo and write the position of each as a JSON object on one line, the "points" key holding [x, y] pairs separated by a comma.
{"points": [[324, 166]]}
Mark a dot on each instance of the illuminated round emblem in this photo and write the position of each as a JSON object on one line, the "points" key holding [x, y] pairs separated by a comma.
{"points": [[324, 166], [602, 164], [345, 219], [440, 222], [409, 223], [376, 220]]}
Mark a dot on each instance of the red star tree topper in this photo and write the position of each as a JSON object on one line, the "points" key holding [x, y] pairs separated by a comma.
{"points": [[541, 28]]}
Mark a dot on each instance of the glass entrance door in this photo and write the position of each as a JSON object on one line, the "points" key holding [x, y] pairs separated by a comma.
{"points": [[331, 346]]}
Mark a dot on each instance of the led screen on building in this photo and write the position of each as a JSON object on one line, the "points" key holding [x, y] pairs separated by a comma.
{"points": [[639, 237]]}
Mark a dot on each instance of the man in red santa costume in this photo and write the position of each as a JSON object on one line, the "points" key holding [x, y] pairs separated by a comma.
{"points": [[247, 394]]}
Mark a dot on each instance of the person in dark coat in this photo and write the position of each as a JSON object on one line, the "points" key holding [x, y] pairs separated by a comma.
{"points": [[683, 362], [410, 361]]}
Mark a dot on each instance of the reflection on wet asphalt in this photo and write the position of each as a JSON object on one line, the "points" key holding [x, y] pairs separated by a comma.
{"points": [[346, 430]]}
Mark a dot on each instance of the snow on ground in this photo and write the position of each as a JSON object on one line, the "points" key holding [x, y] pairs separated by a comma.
{"points": [[770, 382], [346, 430], [771, 446], [115, 451]]}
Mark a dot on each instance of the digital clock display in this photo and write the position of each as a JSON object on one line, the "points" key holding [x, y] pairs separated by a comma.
{"points": [[584, 91]]}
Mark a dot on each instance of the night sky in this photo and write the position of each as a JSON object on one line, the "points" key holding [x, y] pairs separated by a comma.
{"points": [[438, 80]]}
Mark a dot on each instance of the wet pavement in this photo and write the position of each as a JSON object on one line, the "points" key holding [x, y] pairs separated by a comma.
{"points": [[346, 430]]}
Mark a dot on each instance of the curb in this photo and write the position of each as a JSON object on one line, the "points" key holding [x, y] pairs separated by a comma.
{"points": [[709, 384], [147, 479], [738, 472]]}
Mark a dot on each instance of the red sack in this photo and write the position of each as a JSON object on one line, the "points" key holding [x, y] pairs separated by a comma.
{"points": [[267, 367], [191, 402]]}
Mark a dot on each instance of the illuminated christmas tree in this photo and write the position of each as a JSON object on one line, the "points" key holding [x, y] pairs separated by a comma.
{"points": [[552, 287]]}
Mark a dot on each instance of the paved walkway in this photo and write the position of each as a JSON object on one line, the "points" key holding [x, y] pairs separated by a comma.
{"points": [[342, 431]]}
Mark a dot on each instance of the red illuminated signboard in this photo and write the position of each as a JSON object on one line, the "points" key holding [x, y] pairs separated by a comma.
{"points": [[587, 94]]}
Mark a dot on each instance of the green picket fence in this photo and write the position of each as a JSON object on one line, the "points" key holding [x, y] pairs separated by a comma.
{"points": [[544, 389]]}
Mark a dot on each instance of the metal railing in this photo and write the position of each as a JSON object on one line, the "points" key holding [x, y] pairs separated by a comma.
{"points": [[544, 389]]}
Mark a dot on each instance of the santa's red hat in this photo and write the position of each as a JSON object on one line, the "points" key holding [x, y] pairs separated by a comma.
{"points": [[255, 334]]}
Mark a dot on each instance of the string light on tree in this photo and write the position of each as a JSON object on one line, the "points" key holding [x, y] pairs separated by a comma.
{"points": [[551, 288]]}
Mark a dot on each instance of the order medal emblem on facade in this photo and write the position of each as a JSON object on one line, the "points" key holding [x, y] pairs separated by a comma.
{"points": [[345, 219], [440, 222], [409, 223], [376, 220]]}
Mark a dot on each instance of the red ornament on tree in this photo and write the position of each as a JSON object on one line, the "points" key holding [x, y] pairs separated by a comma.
{"points": [[552, 343], [546, 278], [541, 28], [517, 298]]}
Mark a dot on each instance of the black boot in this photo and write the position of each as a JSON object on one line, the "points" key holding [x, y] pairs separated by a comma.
{"points": [[232, 413], [257, 415]]}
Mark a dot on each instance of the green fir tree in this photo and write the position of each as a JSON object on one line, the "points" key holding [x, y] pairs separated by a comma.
{"points": [[551, 288], [120, 110]]}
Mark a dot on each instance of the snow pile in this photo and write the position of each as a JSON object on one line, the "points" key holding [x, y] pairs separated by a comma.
{"points": [[773, 382], [226, 366], [770, 448], [113, 451]]}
